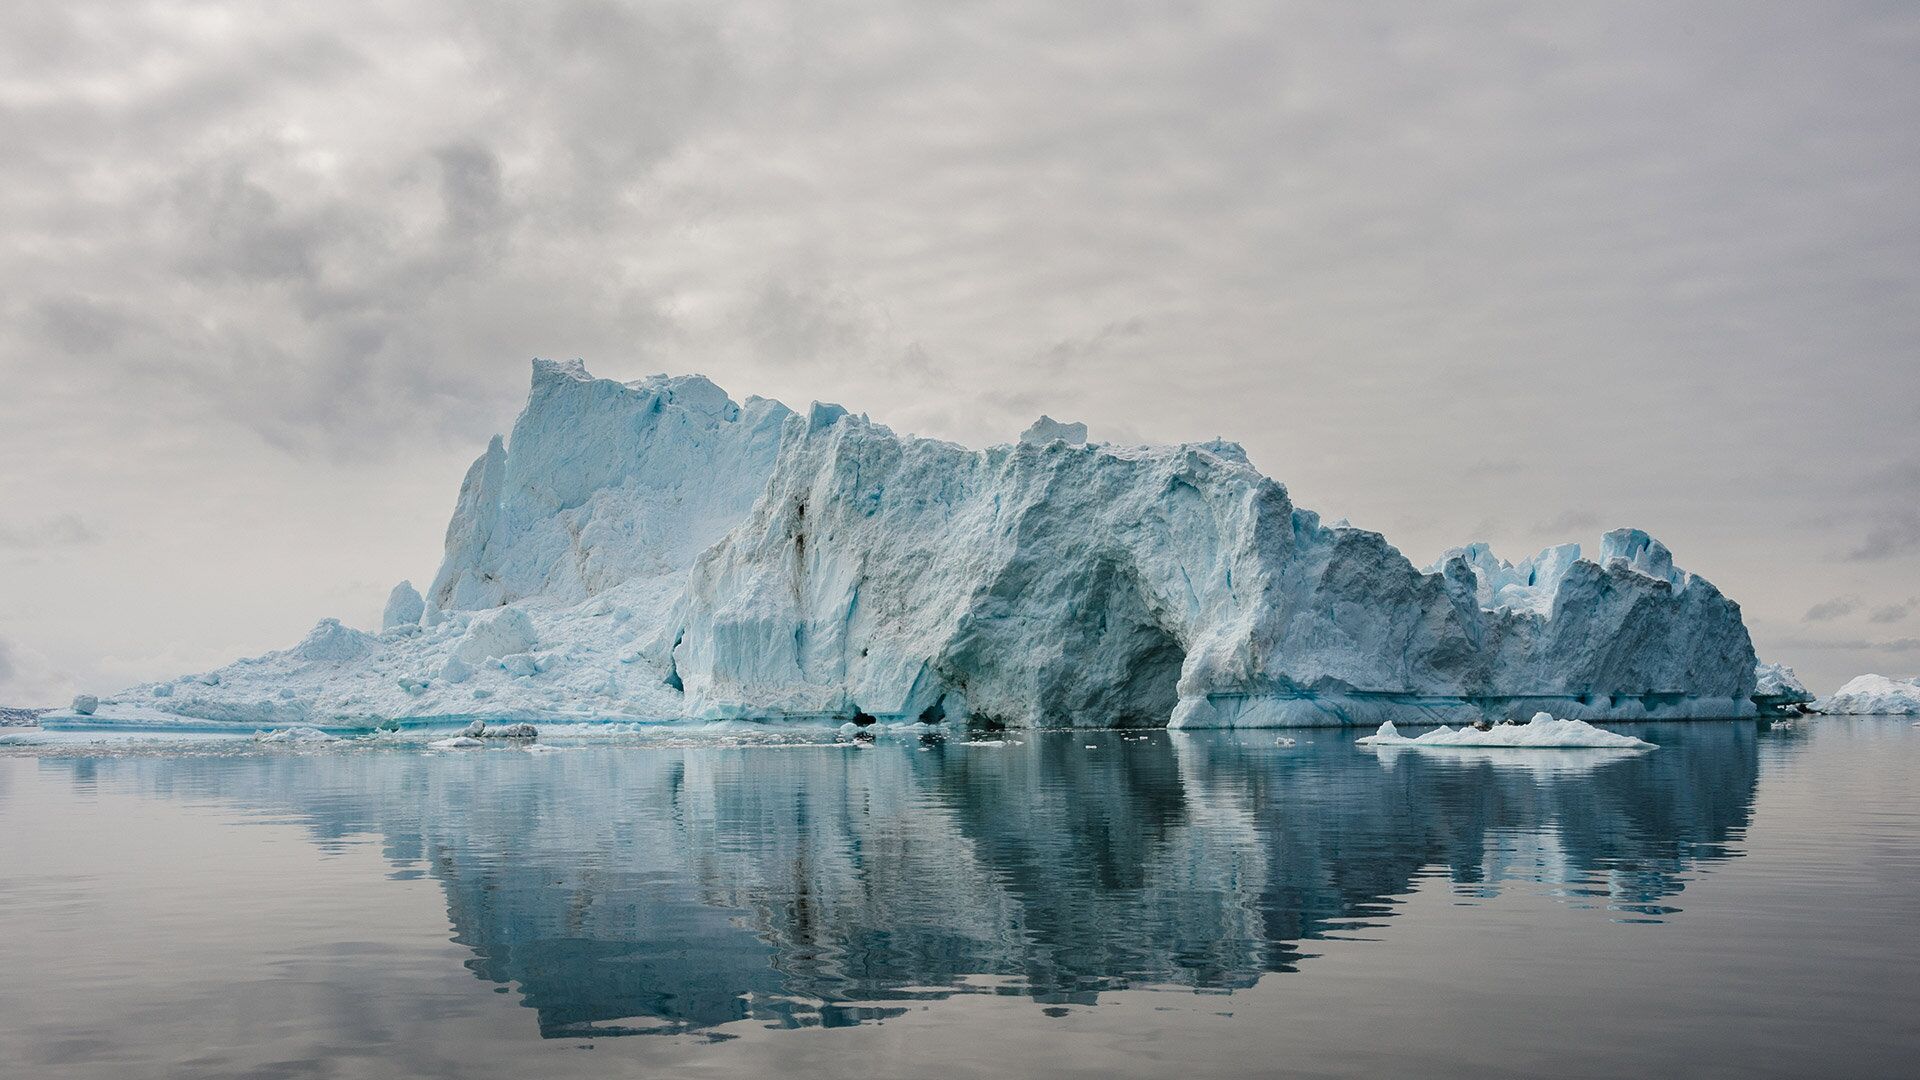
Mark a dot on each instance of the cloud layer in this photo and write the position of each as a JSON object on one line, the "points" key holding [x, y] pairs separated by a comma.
{"points": [[272, 270]]}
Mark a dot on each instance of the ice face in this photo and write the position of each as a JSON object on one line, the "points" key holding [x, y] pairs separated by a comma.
{"points": [[654, 551], [603, 482], [1048, 584]]}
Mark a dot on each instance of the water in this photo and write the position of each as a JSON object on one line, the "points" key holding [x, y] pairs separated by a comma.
{"points": [[1735, 903]]}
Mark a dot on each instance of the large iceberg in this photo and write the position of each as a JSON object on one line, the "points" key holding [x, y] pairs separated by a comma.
{"points": [[654, 551], [1875, 695]]}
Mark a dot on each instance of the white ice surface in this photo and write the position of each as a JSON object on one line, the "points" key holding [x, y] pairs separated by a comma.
{"points": [[1543, 732], [1777, 681], [1875, 695]]}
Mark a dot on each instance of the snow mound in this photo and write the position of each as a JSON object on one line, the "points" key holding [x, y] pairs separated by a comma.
{"points": [[1544, 732], [1875, 695]]}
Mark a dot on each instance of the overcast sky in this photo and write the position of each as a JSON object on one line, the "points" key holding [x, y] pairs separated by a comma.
{"points": [[272, 273]]}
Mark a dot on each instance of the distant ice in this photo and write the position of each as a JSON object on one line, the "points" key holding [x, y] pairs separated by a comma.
{"points": [[1544, 732], [1875, 695]]}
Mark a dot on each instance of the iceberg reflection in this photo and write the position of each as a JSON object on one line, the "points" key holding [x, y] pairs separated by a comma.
{"points": [[646, 888]]}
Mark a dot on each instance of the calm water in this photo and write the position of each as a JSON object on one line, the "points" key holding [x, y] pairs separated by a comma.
{"points": [[1736, 903]]}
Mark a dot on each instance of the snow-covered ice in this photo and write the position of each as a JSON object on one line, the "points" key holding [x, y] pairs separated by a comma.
{"points": [[653, 552], [1777, 689], [1543, 732], [404, 607], [1875, 695]]}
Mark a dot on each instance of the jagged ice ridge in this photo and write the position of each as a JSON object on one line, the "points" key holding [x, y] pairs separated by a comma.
{"points": [[654, 551]]}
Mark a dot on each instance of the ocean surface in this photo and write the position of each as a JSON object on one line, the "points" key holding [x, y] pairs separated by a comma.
{"points": [[1738, 902]]}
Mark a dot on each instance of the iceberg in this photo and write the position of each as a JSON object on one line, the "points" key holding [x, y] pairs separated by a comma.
{"points": [[1542, 732], [653, 552], [1875, 695], [1778, 691]]}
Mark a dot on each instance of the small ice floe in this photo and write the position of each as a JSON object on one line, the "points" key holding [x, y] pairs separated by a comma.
{"points": [[1283, 741], [984, 742], [1544, 732], [299, 733], [478, 732]]}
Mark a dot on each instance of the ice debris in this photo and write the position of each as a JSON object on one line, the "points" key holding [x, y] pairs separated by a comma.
{"points": [[1543, 732], [301, 733]]}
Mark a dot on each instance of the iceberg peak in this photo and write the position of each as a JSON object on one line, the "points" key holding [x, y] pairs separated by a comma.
{"points": [[1047, 429]]}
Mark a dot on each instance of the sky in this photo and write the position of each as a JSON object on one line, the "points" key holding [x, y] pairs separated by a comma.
{"points": [[272, 273]]}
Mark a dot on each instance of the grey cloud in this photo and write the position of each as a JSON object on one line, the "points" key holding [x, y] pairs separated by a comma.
{"points": [[470, 187], [1071, 351], [1896, 534], [1434, 267], [1895, 645], [1835, 608], [1893, 613], [813, 322], [7, 664], [80, 325], [1572, 521], [59, 531]]}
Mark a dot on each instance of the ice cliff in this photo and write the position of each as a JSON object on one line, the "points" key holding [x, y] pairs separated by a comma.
{"points": [[654, 551]]}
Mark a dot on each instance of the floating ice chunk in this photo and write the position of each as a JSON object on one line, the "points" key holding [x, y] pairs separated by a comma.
{"points": [[1047, 429], [507, 731], [85, 704], [1875, 695], [298, 733], [404, 607], [1544, 732], [457, 742], [1283, 741]]}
